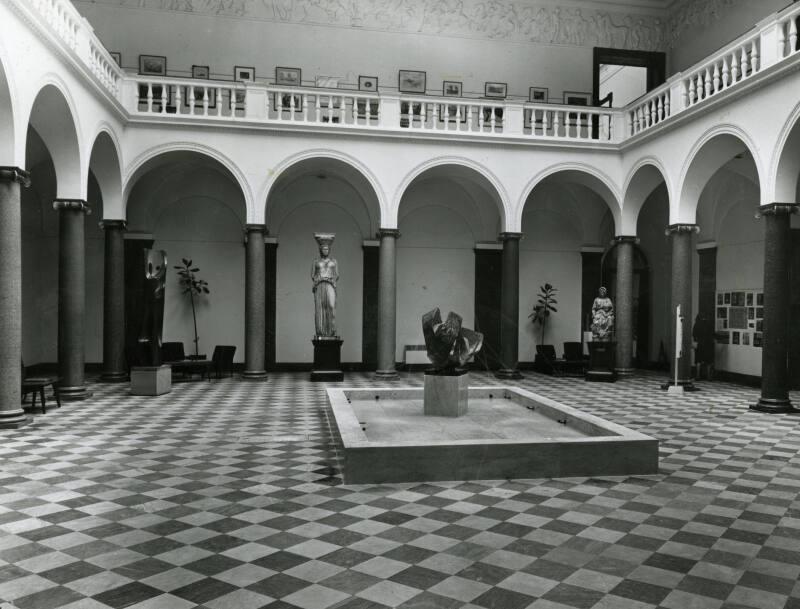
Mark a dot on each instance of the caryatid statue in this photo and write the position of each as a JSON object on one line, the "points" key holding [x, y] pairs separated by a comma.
{"points": [[325, 274]]}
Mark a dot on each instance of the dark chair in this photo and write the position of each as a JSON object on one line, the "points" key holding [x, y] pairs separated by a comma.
{"points": [[172, 352], [547, 360], [222, 361], [36, 385], [575, 361]]}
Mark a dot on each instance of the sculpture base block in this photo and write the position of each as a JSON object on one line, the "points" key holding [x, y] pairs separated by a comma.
{"points": [[446, 395], [601, 362], [327, 360], [151, 380]]}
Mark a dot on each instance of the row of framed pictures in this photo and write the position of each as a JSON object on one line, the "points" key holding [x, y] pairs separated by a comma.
{"points": [[408, 81], [739, 314], [745, 339]]}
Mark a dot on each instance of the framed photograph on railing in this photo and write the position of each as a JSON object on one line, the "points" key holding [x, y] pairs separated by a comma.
{"points": [[411, 81], [495, 90], [153, 65], [201, 72], [368, 83], [451, 88], [290, 77], [244, 74], [199, 96], [538, 95]]}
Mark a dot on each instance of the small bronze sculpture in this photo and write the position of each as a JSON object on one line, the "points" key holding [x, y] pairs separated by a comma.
{"points": [[449, 345], [155, 270], [325, 274]]}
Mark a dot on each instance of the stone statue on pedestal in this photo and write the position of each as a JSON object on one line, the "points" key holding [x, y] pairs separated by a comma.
{"points": [[602, 317], [155, 270], [324, 275]]}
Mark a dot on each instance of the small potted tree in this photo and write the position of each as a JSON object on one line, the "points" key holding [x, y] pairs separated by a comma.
{"points": [[195, 288], [539, 315]]}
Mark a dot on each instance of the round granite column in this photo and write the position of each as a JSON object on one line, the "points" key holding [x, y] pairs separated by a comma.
{"points": [[114, 366], [624, 305], [11, 413], [387, 303], [255, 304], [509, 308], [774, 351], [71, 297], [682, 295]]}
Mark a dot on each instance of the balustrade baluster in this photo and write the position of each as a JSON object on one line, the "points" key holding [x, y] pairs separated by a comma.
{"points": [[666, 106], [480, 117], [164, 89], [691, 92], [458, 117], [545, 122], [317, 106], [330, 109], [304, 115], [708, 84], [792, 36], [726, 73], [219, 101], [754, 57], [632, 122], [743, 63], [469, 118], [734, 68], [190, 101], [660, 110], [178, 99], [782, 40], [700, 87], [717, 79], [292, 106], [492, 119], [206, 100], [653, 113], [149, 97], [557, 123]]}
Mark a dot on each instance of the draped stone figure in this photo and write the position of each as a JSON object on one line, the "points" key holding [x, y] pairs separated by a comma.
{"points": [[155, 270], [324, 275], [602, 317]]}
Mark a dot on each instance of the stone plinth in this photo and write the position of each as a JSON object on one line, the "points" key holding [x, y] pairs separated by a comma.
{"points": [[151, 380], [327, 359], [601, 362], [446, 394]]}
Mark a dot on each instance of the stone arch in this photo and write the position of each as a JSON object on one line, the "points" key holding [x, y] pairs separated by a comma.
{"points": [[348, 163], [785, 166], [105, 164], [496, 189], [583, 174], [713, 150], [150, 158], [52, 115], [643, 179], [8, 144]]}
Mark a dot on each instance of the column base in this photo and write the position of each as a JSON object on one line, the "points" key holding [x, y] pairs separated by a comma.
{"points": [[774, 406], [114, 377], [508, 374], [74, 394], [254, 375], [625, 371], [14, 419], [687, 385], [387, 375]]}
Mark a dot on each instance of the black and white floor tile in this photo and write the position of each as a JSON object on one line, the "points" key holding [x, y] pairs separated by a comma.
{"points": [[229, 495]]}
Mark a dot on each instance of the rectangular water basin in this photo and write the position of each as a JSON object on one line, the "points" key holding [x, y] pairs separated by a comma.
{"points": [[507, 433]]}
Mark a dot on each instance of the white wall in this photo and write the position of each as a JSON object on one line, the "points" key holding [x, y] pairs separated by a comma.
{"points": [[297, 249]]}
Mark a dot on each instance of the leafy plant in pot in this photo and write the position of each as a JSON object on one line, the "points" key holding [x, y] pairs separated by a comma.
{"points": [[195, 288], [544, 307]]}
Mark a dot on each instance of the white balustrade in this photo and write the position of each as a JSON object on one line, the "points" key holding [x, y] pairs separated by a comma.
{"points": [[322, 107], [104, 67], [62, 17], [189, 98], [651, 110], [451, 115], [549, 121], [787, 34]]}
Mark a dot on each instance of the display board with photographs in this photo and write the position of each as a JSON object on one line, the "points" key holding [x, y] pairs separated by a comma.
{"points": [[740, 317]]}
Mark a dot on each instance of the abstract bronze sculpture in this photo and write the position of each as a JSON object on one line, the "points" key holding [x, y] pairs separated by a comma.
{"points": [[449, 345], [155, 270]]}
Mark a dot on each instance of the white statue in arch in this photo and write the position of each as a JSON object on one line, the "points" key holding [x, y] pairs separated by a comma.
{"points": [[324, 275]]}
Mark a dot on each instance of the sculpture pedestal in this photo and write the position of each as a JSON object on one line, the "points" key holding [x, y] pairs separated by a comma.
{"points": [[601, 362], [446, 394], [327, 359], [151, 380]]}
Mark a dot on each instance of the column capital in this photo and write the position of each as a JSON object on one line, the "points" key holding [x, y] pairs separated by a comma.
{"points": [[72, 204], [256, 228], [113, 224], [15, 174], [675, 229], [626, 239], [388, 232], [510, 236], [777, 209]]}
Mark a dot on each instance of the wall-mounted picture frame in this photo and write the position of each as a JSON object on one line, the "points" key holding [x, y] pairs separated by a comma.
{"points": [[199, 96], [719, 298], [452, 88], [116, 56], [152, 65], [735, 338], [575, 98], [495, 90], [411, 81], [727, 298], [368, 83], [750, 299], [746, 338], [244, 73], [758, 339], [290, 77], [760, 299], [201, 72], [327, 82], [538, 95]]}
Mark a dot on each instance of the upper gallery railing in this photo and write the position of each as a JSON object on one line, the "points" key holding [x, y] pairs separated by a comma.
{"points": [[769, 43]]}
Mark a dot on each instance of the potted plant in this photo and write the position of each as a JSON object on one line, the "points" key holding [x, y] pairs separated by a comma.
{"points": [[194, 287], [544, 307]]}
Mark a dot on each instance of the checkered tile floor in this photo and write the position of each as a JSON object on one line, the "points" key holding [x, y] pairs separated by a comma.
{"points": [[228, 495]]}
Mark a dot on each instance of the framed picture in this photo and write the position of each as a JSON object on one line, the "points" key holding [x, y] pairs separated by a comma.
{"points": [[737, 299], [757, 339], [201, 72], [746, 338], [244, 74], [453, 113], [722, 312], [719, 298], [571, 98], [451, 88], [495, 90], [727, 298], [760, 299], [199, 95], [538, 95], [367, 83], [116, 56], [153, 65], [411, 81], [759, 312], [291, 77], [750, 299]]}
